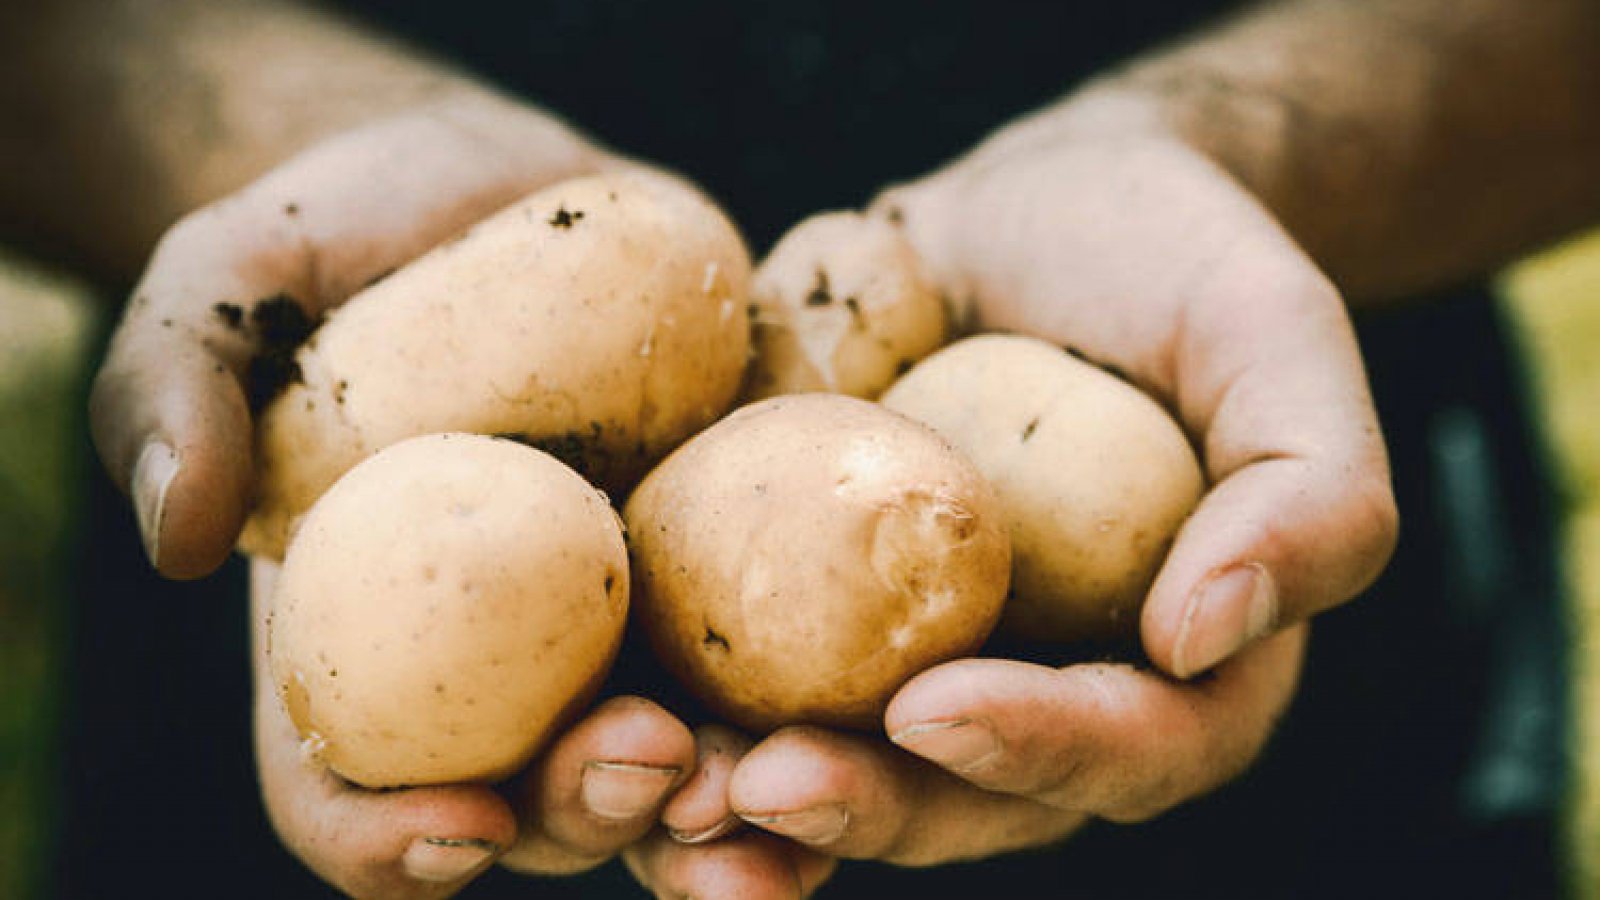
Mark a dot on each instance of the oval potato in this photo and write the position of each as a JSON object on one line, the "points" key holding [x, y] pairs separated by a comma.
{"points": [[447, 603], [841, 304], [1094, 476], [800, 560], [602, 319]]}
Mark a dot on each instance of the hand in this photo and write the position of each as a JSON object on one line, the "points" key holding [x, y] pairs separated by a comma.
{"points": [[1094, 227], [596, 789], [1012, 755], [172, 423]]}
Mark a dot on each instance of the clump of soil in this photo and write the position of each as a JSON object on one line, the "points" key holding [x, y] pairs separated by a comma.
{"points": [[578, 450], [277, 326]]}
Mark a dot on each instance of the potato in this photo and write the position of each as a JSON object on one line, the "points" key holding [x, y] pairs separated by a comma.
{"points": [[841, 304], [801, 559], [1094, 476], [602, 319], [446, 604]]}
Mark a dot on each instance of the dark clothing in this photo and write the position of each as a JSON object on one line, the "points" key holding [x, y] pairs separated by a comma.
{"points": [[784, 109], [1423, 755]]}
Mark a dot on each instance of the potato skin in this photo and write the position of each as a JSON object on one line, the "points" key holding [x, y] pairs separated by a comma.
{"points": [[603, 319], [445, 606], [801, 559], [1094, 476], [841, 304]]}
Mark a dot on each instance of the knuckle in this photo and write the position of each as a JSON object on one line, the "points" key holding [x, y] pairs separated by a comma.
{"points": [[1383, 513], [1374, 519], [1140, 799], [1060, 784], [183, 235], [895, 835], [912, 854], [1137, 811]]}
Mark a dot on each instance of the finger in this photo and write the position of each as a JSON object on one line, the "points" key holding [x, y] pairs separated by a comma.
{"points": [[233, 287], [860, 798], [1302, 515], [420, 843], [600, 786], [747, 866], [699, 811], [171, 424], [1104, 739]]}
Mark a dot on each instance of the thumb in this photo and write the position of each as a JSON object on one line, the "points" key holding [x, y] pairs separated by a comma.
{"points": [[169, 411]]}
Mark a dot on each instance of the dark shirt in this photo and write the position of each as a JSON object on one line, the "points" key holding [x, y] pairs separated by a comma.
{"points": [[783, 109]]}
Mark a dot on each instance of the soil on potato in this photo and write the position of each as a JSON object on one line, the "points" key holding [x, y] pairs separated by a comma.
{"points": [[583, 451], [278, 326]]}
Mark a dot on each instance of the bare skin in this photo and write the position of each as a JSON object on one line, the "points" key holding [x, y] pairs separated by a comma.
{"points": [[1222, 192], [1171, 219]]}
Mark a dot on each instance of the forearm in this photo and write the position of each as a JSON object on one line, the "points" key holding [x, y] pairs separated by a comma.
{"points": [[1403, 143], [129, 113]]}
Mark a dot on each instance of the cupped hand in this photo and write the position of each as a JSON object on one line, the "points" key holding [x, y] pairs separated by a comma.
{"points": [[1096, 228], [1007, 756], [598, 787], [170, 409], [172, 417]]}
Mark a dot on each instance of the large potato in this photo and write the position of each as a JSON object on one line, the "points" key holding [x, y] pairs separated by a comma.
{"points": [[445, 605], [841, 304], [804, 557], [1094, 476], [602, 319]]}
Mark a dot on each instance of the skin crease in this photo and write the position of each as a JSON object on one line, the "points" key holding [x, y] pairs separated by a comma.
{"points": [[1229, 127]]}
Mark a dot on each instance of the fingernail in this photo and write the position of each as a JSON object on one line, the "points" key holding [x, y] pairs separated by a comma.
{"points": [[960, 745], [152, 475], [817, 825], [1227, 611], [446, 859], [624, 790], [706, 836]]}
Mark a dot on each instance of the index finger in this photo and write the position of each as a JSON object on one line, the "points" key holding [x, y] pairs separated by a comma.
{"points": [[1100, 738], [1301, 516]]}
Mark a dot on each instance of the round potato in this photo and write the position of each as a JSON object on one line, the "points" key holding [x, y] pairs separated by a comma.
{"points": [[446, 604], [800, 560], [602, 319], [841, 304], [1094, 476]]}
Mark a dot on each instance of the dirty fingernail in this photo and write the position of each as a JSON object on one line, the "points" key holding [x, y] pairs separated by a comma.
{"points": [[707, 835], [152, 475], [1226, 612], [817, 825], [960, 745], [446, 859], [624, 790]]}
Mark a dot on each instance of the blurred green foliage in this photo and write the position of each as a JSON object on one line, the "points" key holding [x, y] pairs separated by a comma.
{"points": [[46, 325], [1555, 301]]}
